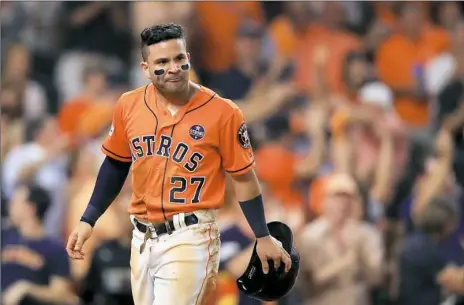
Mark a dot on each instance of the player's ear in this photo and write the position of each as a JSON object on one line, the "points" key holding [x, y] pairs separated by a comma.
{"points": [[188, 56], [145, 69]]}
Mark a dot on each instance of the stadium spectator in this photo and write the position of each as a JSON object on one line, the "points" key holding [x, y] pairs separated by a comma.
{"points": [[218, 22], [446, 14], [450, 107], [43, 161], [341, 256], [11, 114], [325, 31], [423, 265], [94, 101], [91, 29], [35, 268], [16, 70], [108, 279], [285, 29], [443, 68], [400, 61]]}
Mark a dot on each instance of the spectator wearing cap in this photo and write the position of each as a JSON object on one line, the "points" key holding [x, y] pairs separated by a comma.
{"points": [[341, 257], [35, 268]]}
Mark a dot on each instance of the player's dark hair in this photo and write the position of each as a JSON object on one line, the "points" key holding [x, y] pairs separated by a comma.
{"points": [[40, 198], [159, 33]]}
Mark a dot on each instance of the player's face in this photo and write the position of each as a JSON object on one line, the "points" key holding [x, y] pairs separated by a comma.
{"points": [[169, 56]]}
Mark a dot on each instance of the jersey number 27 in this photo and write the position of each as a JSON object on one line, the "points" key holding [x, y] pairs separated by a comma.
{"points": [[180, 186]]}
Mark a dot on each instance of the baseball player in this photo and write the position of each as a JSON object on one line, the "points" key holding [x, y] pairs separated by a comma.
{"points": [[179, 140]]}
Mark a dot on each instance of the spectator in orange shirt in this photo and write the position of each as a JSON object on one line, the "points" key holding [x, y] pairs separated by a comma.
{"points": [[95, 88], [280, 177], [401, 58], [327, 31], [384, 12], [218, 22], [285, 29]]}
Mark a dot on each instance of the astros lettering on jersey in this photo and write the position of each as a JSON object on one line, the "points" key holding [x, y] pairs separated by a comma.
{"points": [[179, 161]]}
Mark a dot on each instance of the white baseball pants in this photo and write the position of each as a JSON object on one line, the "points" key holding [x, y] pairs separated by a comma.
{"points": [[176, 269]]}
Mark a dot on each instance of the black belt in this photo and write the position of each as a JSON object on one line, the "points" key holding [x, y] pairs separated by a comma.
{"points": [[166, 227]]}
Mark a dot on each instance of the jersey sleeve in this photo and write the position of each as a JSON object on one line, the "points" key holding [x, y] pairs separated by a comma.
{"points": [[116, 145], [235, 146]]}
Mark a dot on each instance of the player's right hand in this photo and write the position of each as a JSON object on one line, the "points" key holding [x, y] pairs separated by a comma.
{"points": [[77, 240], [270, 249]]}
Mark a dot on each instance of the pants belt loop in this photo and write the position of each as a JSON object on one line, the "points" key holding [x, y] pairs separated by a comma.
{"points": [[152, 232], [175, 221], [133, 221], [182, 223]]}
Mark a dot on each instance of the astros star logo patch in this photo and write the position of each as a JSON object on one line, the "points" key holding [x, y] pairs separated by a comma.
{"points": [[197, 132]]}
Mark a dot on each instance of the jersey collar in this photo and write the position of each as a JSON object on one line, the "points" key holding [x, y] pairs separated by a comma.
{"points": [[202, 97]]}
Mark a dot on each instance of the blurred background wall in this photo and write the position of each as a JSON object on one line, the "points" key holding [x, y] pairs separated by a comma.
{"points": [[356, 114]]}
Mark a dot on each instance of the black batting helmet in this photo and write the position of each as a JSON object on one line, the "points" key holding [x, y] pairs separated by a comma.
{"points": [[276, 284]]}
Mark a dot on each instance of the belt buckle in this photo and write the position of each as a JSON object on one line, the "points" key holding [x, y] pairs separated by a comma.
{"points": [[168, 227]]}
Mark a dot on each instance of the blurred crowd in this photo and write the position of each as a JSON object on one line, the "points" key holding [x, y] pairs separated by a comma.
{"points": [[356, 114]]}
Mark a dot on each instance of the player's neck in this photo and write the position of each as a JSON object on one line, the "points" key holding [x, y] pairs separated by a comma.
{"points": [[31, 229]]}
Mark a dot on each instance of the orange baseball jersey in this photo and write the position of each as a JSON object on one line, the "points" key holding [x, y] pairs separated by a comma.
{"points": [[178, 161]]}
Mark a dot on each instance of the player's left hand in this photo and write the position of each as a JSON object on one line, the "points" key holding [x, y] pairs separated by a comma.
{"points": [[268, 248], [15, 293]]}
